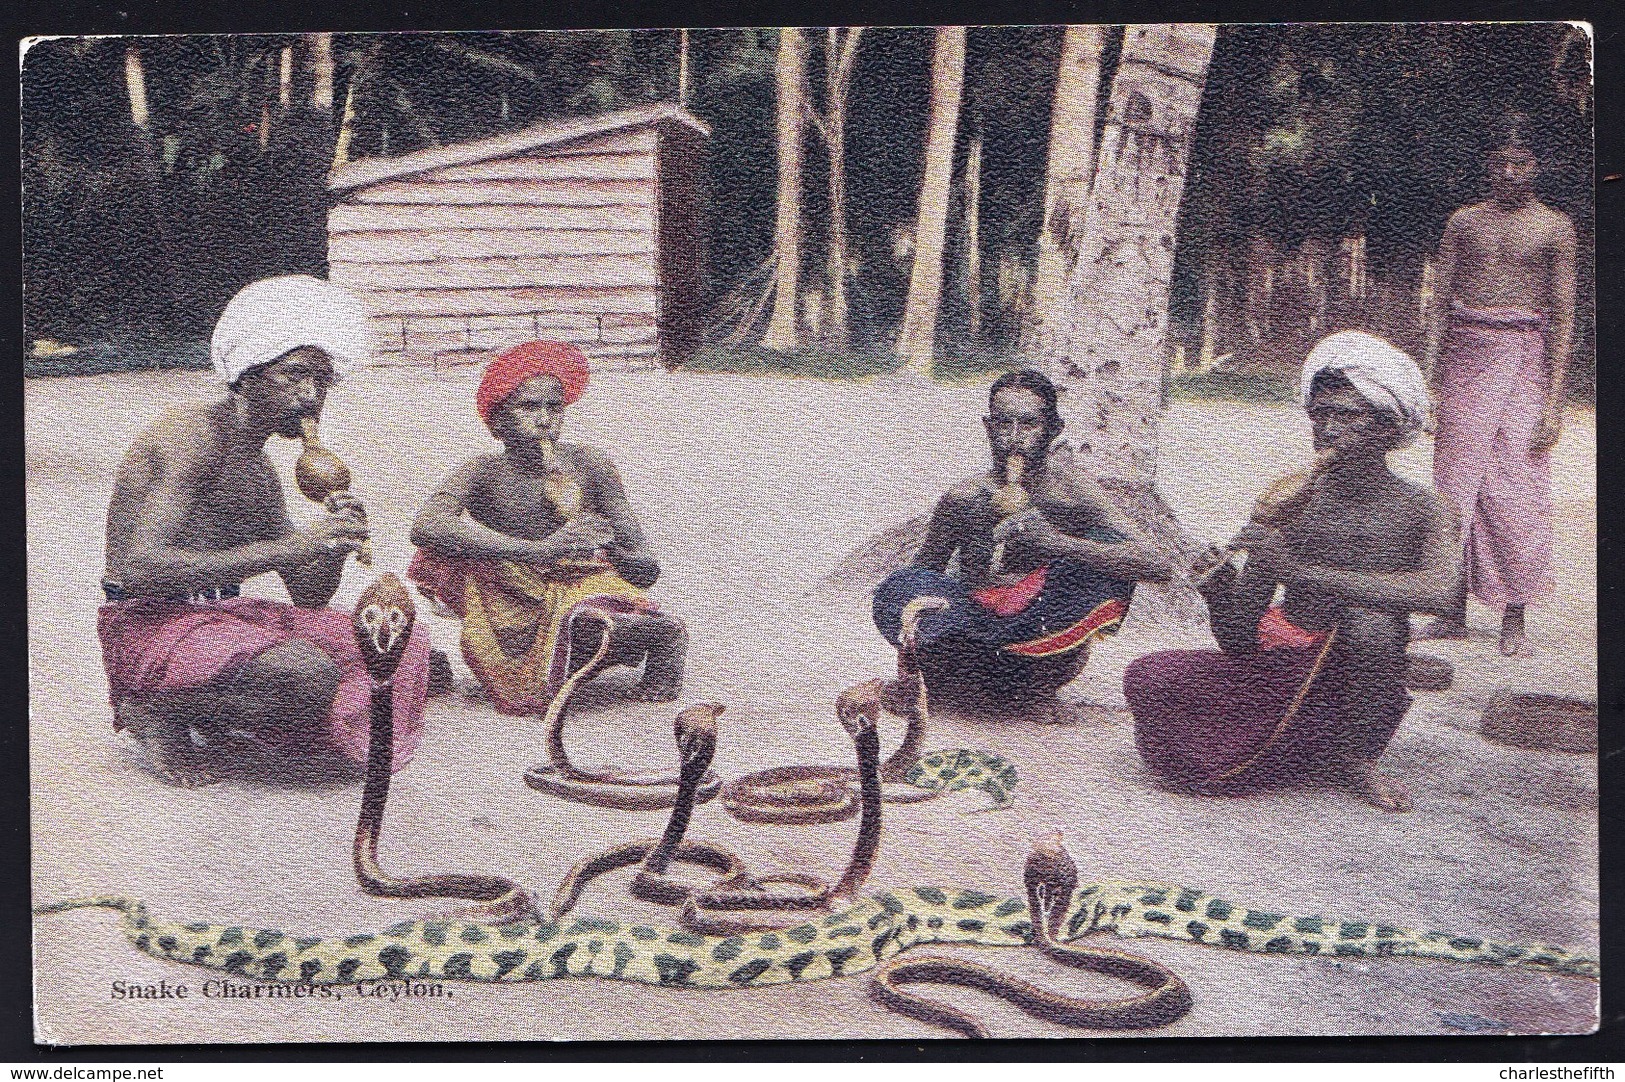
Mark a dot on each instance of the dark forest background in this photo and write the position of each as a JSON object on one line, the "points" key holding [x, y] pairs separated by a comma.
{"points": [[1323, 153]]}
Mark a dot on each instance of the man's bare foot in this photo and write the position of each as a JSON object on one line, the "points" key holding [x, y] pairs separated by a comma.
{"points": [[1444, 627], [1364, 781], [174, 757], [441, 679], [171, 752], [1514, 642], [899, 697]]}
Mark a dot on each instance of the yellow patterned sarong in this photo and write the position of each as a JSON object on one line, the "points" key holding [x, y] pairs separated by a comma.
{"points": [[502, 600]]}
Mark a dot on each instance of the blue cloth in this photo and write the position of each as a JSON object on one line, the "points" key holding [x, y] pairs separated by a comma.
{"points": [[1072, 591]]}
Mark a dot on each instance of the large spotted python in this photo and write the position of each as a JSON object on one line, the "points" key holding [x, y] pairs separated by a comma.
{"points": [[845, 936]]}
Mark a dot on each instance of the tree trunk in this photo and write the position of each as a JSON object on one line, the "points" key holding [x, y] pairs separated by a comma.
{"points": [[915, 337], [321, 68], [285, 79], [135, 82], [973, 239], [791, 75], [1108, 345], [682, 68], [1067, 175], [840, 58]]}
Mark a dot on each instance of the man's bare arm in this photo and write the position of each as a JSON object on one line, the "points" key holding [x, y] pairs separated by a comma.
{"points": [[1435, 587], [1563, 290], [443, 527], [1438, 317], [630, 552], [1235, 603], [1136, 557], [152, 559], [941, 536], [311, 585]]}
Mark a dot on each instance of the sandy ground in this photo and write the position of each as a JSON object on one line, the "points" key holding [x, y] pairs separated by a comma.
{"points": [[753, 489]]}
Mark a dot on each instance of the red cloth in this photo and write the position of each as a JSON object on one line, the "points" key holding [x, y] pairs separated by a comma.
{"points": [[1276, 632], [1009, 600], [150, 647], [514, 366]]}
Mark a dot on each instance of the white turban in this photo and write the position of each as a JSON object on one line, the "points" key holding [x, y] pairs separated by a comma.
{"points": [[276, 315], [1381, 372]]}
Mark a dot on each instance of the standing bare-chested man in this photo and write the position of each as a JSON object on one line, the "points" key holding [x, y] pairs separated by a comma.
{"points": [[197, 509], [517, 544], [1498, 353]]}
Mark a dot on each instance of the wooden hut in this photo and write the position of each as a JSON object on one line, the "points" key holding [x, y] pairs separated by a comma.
{"points": [[586, 230]]}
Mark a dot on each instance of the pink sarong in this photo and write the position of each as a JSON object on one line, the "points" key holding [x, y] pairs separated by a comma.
{"points": [[1493, 380], [153, 646]]}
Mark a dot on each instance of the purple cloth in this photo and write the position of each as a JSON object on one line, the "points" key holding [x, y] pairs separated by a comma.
{"points": [[1215, 723], [150, 647], [1493, 379]]}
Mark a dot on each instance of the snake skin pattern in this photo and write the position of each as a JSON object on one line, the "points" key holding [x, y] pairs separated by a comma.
{"points": [[852, 941]]}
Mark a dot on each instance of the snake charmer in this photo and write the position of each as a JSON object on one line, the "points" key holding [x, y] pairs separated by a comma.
{"points": [[1314, 686], [1035, 560], [197, 673], [519, 542]]}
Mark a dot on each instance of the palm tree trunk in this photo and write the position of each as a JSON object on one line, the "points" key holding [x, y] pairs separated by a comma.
{"points": [[321, 66], [915, 339], [791, 75], [840, 58], [1067, 174], [135, 82], [973, 238], [1108, 343], [682, 67]]}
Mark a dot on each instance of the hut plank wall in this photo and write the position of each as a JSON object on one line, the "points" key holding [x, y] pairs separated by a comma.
{"points": [[557, 242]]}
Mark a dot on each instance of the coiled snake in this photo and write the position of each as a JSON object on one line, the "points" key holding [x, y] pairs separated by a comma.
{"points": [[856, 938], [738, 902], [605, 788], [828, 794]]}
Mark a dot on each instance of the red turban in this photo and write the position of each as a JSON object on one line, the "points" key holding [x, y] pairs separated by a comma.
{"points": [[562, 361]]}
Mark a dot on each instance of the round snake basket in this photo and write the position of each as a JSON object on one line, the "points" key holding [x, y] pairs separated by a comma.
{"points": [[1523, 719]]}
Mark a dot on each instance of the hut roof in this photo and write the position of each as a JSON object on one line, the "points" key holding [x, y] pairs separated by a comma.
{"points": [[373, 170]]}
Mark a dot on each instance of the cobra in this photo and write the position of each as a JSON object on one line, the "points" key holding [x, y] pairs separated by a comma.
{"points": [[605, 788], [808, 794], [383, 619], [738, 902]]}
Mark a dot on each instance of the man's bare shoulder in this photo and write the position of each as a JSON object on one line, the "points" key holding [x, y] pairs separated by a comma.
{"points": [[1552, 222], [586, 457], [481, 466], [1422, 500], [180, 437], [967, 492], [1466, 217]]}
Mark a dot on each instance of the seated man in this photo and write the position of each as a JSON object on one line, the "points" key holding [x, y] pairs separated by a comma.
{"points": [[1316, 686], [518, 543], [1033, 557], [197, 508]]}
